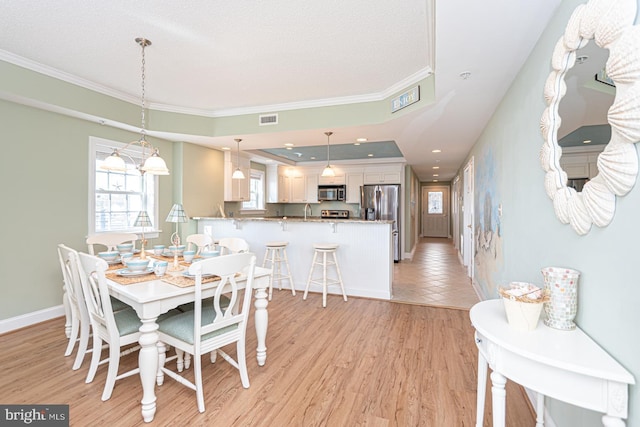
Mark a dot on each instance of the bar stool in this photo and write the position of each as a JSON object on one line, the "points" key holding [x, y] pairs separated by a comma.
{"points": [[324, 249], [276, 254]]}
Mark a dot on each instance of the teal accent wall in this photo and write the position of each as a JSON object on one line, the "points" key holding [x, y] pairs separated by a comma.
{"points": [[533, 238]]}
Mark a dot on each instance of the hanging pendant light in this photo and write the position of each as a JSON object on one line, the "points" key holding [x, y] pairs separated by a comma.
{"points": [[153, 164], [237, 174], [328, 170]]}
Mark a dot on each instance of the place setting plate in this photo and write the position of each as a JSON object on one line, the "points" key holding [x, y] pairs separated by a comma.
{"points": [[193, 276], [125, 272]]}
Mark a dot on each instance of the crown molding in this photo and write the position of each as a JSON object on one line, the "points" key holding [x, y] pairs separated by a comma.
{"points": [[317, 103]]}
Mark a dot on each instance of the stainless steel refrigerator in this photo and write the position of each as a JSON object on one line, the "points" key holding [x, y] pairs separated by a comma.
{"points": [[382, 202]]}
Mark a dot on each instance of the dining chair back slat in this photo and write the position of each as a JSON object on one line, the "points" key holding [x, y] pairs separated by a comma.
{"points": [[80, 323], [233, 245], [201, 241], [213, 322], [109, 240], [117, 329]]}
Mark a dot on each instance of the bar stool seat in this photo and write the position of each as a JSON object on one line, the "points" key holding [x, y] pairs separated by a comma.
{"points": [[324, 249], [276, 255]]}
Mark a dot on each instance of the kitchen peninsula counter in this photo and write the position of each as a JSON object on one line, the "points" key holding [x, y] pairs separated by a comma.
{"points": [[365, 252]]}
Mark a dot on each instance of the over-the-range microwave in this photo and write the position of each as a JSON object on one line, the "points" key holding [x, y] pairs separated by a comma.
{"points": [[331, 193]]}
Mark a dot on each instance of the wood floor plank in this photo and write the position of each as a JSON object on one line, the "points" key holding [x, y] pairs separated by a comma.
{"points": [[357, 363]]}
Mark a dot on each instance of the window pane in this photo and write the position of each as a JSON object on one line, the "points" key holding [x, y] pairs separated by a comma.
{"points": [[435, 202], [120, 196]]}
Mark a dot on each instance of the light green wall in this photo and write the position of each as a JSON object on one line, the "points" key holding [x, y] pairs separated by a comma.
{"points": [[533, 237], [44, 169]]}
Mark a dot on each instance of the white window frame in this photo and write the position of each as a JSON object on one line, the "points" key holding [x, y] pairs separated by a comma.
{"points": [[101, 145], [256, 174]]}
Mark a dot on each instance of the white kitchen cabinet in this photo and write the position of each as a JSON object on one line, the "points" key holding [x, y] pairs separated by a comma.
{"points": [[298, 189], [236, 190], [331, 180], [580, 162], [278, 184], [354, 182], [311, 187], [383, 175]]}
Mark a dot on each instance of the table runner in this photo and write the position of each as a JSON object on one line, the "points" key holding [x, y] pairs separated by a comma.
{"points": [[185, 282], [130, 280]]}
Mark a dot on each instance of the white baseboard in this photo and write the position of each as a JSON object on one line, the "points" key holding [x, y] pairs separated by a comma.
{"points": [[18, 322]]}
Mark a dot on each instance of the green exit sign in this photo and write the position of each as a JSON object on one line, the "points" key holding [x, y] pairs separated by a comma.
{"points": [[407, 98]]}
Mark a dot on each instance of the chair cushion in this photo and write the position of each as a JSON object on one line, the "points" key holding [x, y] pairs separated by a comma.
{"points": [[224, 303], [128, 322], [181, 326], [118, 305]]}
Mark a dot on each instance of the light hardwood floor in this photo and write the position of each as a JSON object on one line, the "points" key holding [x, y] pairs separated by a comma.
{"points": [[356, 363]]}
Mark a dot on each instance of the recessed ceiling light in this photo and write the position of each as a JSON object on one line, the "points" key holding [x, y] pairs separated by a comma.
{"points": [[435, 174], [370, 155], [436, 167], [288, 144], [436, 151], [586, 141], [226, 148], [362, 139], [435, 180]]}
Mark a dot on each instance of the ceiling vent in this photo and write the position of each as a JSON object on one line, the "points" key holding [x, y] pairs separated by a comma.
{"points": [[268, 119]]}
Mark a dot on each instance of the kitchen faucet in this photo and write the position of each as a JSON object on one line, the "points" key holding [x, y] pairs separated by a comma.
{"points": [[307, 206]]}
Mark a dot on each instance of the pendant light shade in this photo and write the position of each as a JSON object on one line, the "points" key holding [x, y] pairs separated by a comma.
{"points": [[153, 164], [237, 174], [328, 170]]}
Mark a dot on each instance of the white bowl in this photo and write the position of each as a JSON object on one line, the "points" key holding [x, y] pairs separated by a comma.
{"points": [[209, 254], [125, 247], [109, 256], [181, 249], [137, 264]]}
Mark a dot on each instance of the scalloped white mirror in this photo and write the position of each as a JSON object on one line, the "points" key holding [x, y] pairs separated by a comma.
{"points": [[610, 24]]}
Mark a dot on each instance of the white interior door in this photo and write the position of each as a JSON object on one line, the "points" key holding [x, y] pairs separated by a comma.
{"points": [[435, 211], [468, 231]]}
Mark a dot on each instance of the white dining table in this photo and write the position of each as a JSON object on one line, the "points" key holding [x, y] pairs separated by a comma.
{"points": [[152, 298]]}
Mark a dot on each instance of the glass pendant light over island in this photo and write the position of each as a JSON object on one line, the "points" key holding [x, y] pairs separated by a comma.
{"points": [[237, 174], [328, 170]]}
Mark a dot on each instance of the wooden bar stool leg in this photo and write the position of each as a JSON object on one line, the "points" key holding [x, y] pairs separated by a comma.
{"points": [[286, 263], [335, 261], [313, 264], [324, 279]]}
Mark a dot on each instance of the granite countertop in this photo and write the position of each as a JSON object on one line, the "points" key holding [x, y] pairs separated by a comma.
{"points": [[296, 219]]}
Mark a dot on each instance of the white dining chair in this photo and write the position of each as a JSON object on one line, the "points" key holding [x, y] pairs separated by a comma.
{"points": [[118, 330], [79, 317], [213, 323], [201, 241], [109, 240], [232, 245]]}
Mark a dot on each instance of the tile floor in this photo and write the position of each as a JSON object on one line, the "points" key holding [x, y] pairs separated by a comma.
{"points": [[435, 276]]}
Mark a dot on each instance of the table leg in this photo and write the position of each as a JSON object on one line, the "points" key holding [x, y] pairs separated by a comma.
{"points": [[261, 319], [148, 364], [498, 395], [540, 410], [482, 389], [609, 421]]}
